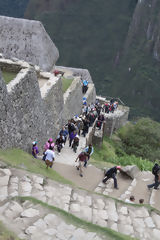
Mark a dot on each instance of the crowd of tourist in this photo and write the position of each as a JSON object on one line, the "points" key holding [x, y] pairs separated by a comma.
{"points": [[74, 128]]}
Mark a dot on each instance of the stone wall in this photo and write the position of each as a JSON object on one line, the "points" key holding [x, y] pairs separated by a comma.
{"points": [[73, 100], [26, 116], [27, 40], [30, 112], [116, 120]]}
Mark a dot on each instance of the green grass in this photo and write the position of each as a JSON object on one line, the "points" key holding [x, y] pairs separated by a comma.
{"points": [[20, 159], [107, 157], [66, 82], [69, 218], [8, 76], [5, 234]]}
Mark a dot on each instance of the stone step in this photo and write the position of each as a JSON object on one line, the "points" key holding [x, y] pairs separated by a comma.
{"points": [[138, 187], [155, 198], [33, 222]]}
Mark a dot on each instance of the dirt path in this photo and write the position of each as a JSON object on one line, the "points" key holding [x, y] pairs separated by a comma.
{"points": [[92, 176]]}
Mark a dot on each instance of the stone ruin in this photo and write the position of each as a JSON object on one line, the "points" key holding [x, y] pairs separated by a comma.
{"points": [[33, 105]]}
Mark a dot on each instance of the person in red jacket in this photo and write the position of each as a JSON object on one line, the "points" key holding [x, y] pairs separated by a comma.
{"points": [[82, 158]]}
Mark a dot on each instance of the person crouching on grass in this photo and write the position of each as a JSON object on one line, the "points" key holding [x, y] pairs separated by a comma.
{"points": [[49, 157], [82, 158]]}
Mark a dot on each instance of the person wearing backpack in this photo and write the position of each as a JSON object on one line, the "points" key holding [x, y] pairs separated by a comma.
{"points": [[156, 173]]}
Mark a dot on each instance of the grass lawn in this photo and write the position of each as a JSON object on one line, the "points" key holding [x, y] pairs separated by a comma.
{"points": [[8, 76], [20, 159], [66, 82]]}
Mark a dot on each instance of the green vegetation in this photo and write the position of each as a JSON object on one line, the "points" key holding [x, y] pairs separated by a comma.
{"points": [[141, 139], [66, 82], [12, 8], [20, 159], [108, 233], [8, 76], [5, 234], [134, 144]]}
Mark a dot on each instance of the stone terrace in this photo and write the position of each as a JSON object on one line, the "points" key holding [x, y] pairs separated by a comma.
{"points": [[128, 219]]}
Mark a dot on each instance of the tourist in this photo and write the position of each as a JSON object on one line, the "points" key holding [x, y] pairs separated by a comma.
{"points": [[156, 173], [64, 133], [47, 146], [82, 158], [111, 173], [75, 143], [89, 150], [50, 157], [141, 201], [60, 143], [71, 137], [57, 72], [130, 200], [85, 126], [34, 149], [84, 86]]}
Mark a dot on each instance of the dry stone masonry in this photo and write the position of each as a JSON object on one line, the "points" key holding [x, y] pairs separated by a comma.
{"points": [[128, 219], [27, 40]]}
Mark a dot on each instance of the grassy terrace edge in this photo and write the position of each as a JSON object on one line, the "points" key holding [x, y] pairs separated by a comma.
{"points": [[19, 159]]}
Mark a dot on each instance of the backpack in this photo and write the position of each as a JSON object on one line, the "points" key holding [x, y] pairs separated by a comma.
{"points": [[155, 169]]}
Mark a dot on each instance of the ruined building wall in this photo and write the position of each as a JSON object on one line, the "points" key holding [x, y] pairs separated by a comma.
{"points": [[27, 40]]}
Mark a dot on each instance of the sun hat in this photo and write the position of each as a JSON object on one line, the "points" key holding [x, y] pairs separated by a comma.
{"points": [[118, 167], [34, 142], [50, 140]]}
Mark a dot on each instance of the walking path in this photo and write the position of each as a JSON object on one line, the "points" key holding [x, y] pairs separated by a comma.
{"points": [[124, 218]]}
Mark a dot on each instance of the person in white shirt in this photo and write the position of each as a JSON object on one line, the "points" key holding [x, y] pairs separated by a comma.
{"points": [[130, 200], [49, 157]]}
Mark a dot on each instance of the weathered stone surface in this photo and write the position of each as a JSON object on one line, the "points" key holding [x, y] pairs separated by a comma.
{"points": [[125, 229], [132, 171], [156, 219], [29, 213], [156, 234], [123, 210], [75, 207], [149, 222], [29, 41]]}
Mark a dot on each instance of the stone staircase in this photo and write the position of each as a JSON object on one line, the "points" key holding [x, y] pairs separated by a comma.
{"points": [[24, 218], [136, 187]]}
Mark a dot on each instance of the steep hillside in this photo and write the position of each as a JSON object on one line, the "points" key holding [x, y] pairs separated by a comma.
{"points": [[118, 41], [88, 34], [13, 8], [137, 76]]}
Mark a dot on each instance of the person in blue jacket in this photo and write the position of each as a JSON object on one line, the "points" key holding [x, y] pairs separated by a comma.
{"points": [[89, 150]]}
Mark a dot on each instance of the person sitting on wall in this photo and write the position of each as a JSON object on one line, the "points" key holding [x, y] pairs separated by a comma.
{"points": [[50, 157], [130, 200], [84, 86], [56, 72], [35, 150]]}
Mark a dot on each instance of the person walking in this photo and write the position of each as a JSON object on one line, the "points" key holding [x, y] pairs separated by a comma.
{"points": [[82, 158], [111, 173], [71, 137], [50, 157], [89, 150], [156, 173], [35, 150]]}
